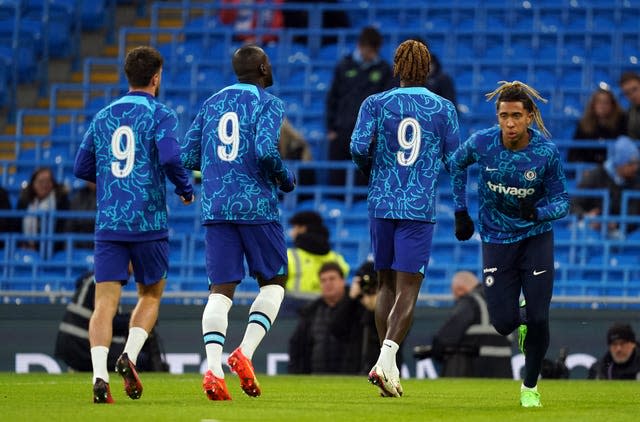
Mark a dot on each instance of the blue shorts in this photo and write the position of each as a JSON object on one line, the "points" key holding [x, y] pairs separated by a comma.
{"points": [[401, 245], [228, 244], [150, 260]]}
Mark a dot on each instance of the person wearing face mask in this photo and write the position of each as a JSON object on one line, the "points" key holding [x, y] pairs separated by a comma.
{"points": [[311, 249], [355, 77], [622, 360]]}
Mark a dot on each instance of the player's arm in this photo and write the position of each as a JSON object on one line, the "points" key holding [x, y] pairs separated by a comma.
{"points": [[169, 155], [191, 148], [558, 197], [362, 137], [84, 166], [456, 166], [462, 157], [267, 153]]}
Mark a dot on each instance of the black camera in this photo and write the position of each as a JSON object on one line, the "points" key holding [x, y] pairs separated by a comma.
{"points": [[557, 369], [368, 278]]}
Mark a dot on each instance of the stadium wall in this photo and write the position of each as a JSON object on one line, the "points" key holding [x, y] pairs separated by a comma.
{"points": [[28, 334]]}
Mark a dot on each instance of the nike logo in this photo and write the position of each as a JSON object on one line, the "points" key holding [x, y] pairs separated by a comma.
{"points": [[490, 169], [539, 272]]}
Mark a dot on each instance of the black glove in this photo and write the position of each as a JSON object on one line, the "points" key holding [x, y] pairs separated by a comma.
{"points": [[289, 184], [528, 210], [464, 225], [188, 196], [366, 170]]}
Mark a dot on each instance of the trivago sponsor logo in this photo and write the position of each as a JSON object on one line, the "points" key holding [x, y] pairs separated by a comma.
{"points": [[510, 190]]}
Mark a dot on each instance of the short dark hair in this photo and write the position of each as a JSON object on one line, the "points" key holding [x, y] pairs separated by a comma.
{"points": [[141, 64], [370, 37], [306, 218], [629, 76], [331, 266]]}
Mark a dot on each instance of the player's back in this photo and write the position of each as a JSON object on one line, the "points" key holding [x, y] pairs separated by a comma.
{"points": [[415, 131], [129, 180], [237, 127]]}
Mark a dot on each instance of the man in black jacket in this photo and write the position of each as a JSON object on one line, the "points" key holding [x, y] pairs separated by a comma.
{"points": [[336, 333], [72, 343], [355, 77], [467, 344], [622, 361]]}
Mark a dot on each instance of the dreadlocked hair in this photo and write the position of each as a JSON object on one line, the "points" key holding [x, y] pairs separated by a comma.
{"points": [[412, 62], [519, 91]]}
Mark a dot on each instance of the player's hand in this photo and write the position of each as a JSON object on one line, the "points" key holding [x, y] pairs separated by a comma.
{"points": [[528, 210], [289, 184], [188, 198], [464, 225], [366, 170]]}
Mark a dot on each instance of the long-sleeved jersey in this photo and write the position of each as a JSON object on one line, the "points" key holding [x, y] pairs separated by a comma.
{"points": [[129, 148], [233, 141], [405, 136], [533, 174]]}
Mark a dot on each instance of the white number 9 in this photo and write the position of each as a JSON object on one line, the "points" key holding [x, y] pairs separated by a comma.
{"points": [[412, 144], [227, 138], [123, 133]]}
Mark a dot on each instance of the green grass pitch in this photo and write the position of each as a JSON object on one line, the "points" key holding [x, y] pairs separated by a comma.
{"points": [[67, 397]]}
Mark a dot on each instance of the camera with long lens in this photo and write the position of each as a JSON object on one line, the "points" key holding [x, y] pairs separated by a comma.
{"points": [[555, 369]]}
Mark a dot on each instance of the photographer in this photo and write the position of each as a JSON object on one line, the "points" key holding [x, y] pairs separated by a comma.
{"points": [[467, 345]]}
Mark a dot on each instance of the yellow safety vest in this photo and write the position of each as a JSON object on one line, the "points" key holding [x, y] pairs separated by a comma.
{"points": [[304, 266]]}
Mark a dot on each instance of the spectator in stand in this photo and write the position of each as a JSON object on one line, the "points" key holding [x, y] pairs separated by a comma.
{"points": [[310, 251], [84, 199], [438, 81], [246, 19], [630, 86], [294, 147], [42, 193], [441, 83], [602, 119], [355, 77], [617, 174], [622, 360], [467, 345]]}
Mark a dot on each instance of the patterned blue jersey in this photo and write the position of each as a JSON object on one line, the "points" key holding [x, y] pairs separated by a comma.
{"points": [[413, 132], [507, 176], [129, 147], [233, 141]]}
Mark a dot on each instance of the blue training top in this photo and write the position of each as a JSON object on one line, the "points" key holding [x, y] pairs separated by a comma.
{"points": [[406, 135], [533, 173], [234, 142], [129, 147]]}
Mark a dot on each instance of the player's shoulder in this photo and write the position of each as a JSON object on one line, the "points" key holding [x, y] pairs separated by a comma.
{"points": [[163, 108], [270, 98], [539, 141], [486, 135], [379, 97]]}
